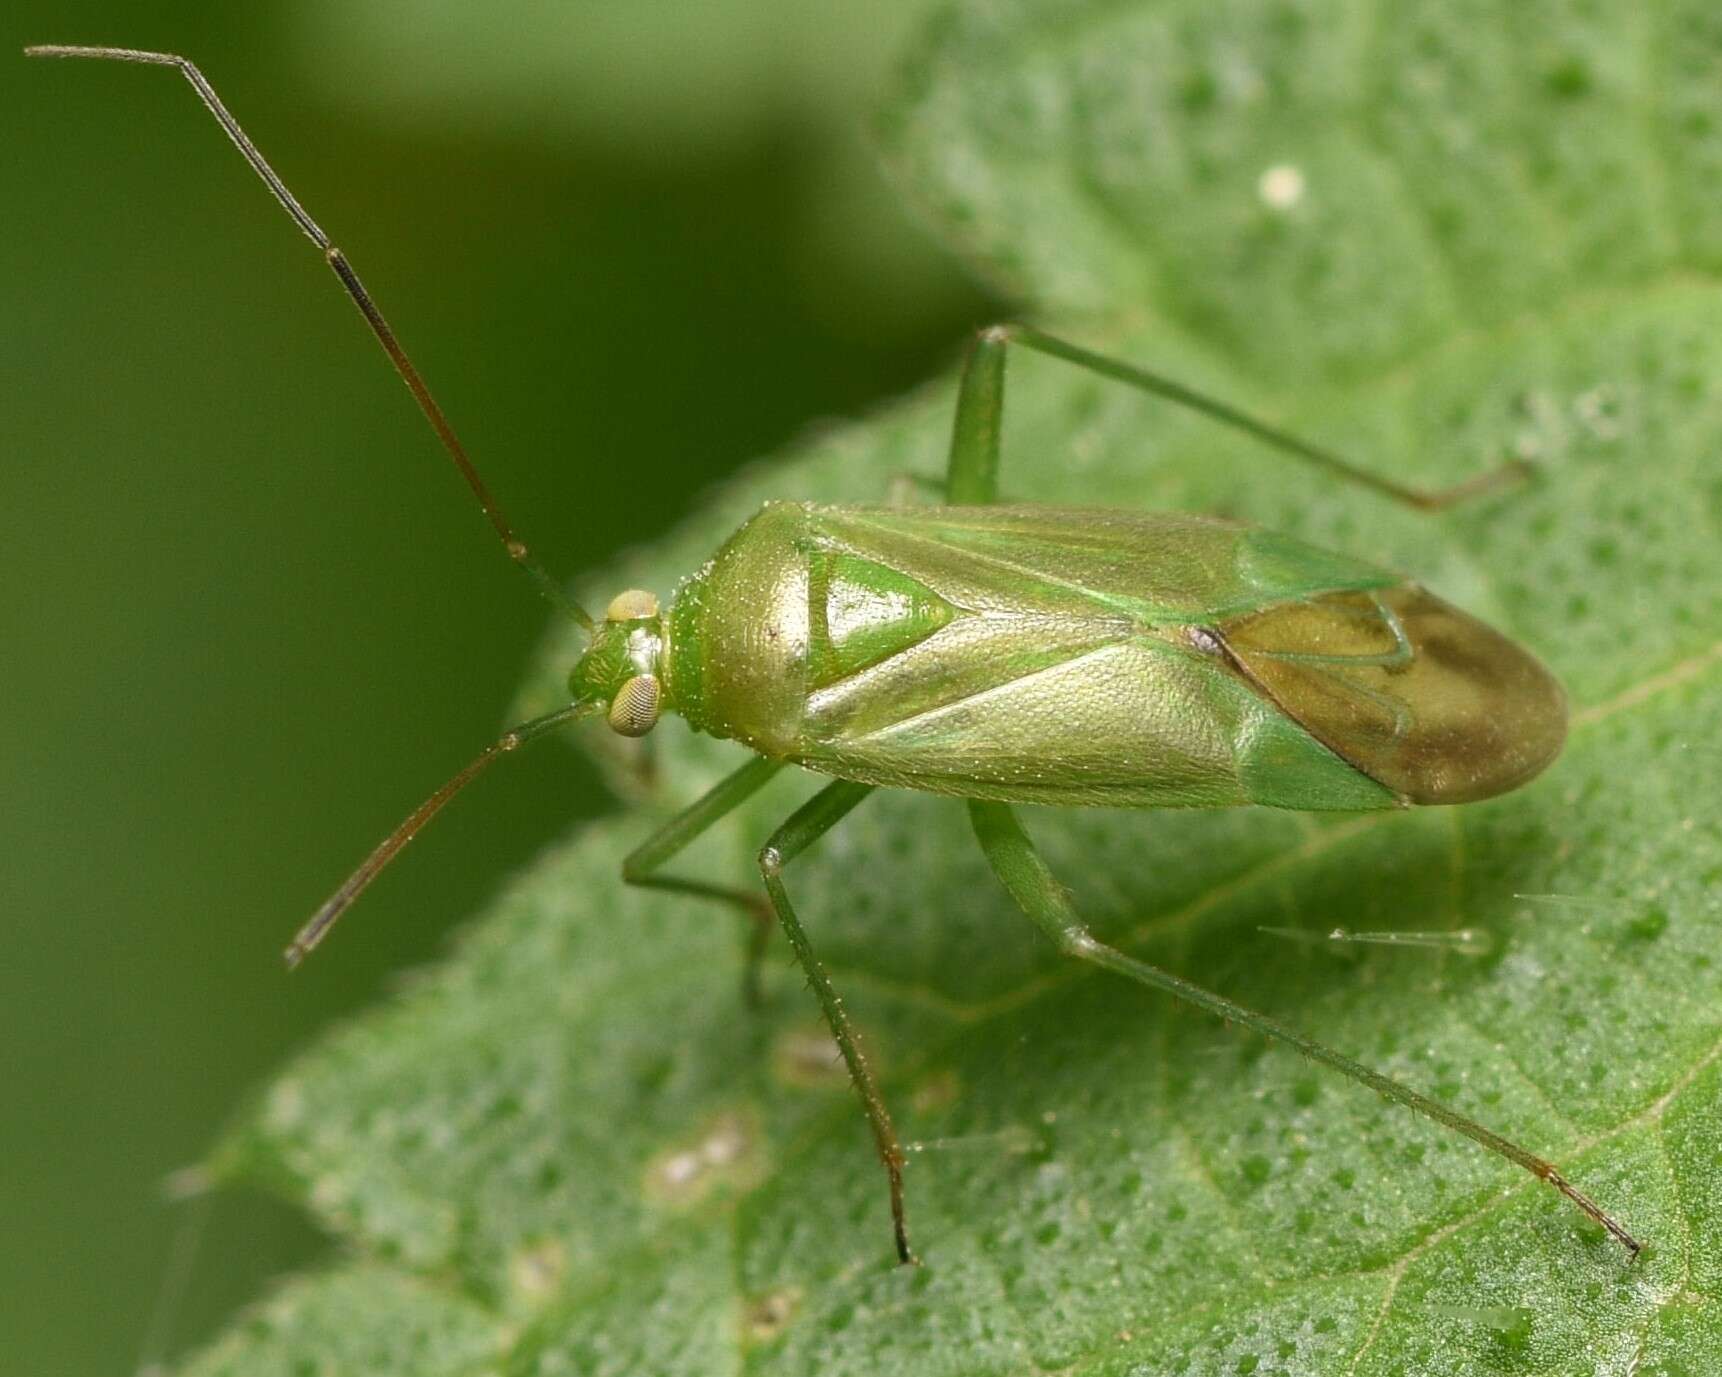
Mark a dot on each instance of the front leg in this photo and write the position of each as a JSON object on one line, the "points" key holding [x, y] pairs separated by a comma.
{"points": [[643, 863], [813, 820]]}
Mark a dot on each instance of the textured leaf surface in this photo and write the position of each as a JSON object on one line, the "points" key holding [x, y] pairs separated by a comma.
{"points": [[1502, 241]]}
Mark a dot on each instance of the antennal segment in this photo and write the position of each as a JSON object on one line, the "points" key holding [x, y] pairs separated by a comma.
{"points": [[337, 261], [318, 925]]}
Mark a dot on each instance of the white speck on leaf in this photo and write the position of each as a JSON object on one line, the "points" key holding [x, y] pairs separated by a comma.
{"points": [[1281, 187]]}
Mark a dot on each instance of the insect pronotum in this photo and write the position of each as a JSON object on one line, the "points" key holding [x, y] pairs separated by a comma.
{"points": [[1015, 654]]}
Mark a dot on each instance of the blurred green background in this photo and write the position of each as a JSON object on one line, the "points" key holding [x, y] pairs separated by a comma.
{"points": [[250, 616]]}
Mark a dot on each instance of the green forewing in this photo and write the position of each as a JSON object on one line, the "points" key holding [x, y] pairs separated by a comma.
{"points": [[1043, 654], [1149, 567]]}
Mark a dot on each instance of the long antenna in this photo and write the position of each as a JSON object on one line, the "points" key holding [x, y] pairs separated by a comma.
{"points": [[337, 261], [317, 926]]}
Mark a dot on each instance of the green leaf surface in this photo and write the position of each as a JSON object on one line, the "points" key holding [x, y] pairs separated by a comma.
{"points": [[1502, 241]]}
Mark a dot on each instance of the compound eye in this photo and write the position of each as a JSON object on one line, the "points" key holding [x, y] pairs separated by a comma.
{"points": [[634, 709]]}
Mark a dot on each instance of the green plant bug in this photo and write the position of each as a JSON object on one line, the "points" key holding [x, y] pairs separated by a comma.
{"points": [[1005, 654]]}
